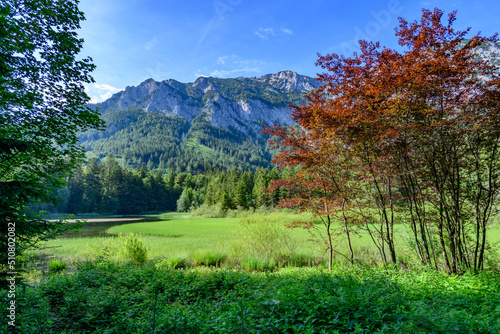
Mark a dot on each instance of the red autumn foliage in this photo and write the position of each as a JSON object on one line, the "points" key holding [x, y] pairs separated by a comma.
{"points": [[402, 137]]}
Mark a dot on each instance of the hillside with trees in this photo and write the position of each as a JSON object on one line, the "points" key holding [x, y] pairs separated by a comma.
{"points": [[189, 127], [108, 188]]}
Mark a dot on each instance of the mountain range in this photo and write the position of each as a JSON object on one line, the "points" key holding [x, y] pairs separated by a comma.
{"points": [[211, 122]]}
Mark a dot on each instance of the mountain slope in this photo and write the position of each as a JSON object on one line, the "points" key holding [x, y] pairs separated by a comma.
{"points": [[211, 122]]}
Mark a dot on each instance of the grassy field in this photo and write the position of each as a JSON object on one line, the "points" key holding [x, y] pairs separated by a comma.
{"points": [[257, 237], [190, 284]]}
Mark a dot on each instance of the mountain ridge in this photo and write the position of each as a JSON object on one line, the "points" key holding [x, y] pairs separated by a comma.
{"points": [[187, 100], [211, 121]]}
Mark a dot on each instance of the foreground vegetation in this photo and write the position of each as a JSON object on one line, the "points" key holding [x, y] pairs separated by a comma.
{"points": [[251, 241], [246, 274], [110, 298]]}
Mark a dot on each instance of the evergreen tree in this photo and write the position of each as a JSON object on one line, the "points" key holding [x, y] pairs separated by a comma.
{"points": [[210, 193], [261, 183], [112, 185], [93, 189], [76, 188]]}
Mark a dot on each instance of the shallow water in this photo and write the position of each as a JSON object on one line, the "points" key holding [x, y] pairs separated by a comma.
{"points": [[97, 227]]}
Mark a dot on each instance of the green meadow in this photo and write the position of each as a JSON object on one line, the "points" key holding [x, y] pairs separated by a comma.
{"points": [[187, 274], [250, 237]]}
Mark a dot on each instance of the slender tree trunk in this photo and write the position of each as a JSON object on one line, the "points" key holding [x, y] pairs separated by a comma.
{"points": [[349, 244], [330, 244]]}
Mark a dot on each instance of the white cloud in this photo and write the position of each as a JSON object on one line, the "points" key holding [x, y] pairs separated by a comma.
{"points": [[225, 73], [222, 60], [94, 99], [265, 33], [106, 96], [149, 45], [107, 87], [231, 66], [100, 92]]}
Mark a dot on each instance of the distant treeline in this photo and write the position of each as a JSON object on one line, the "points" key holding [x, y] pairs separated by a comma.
{"points": [[108, 188]]}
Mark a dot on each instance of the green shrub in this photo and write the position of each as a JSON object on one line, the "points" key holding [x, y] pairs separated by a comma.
{"points": [[238, 212], [115, 249], [136, 249], [109, 250], [57, 265], [209, 258], [209, 211], [265, 237], [254, 263], [174, 262]]}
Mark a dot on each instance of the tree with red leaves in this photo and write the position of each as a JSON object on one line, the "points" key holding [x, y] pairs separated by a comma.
{"points": [[403, 137]]}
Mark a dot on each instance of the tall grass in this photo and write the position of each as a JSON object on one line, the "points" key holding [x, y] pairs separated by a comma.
{"points": [[254, 235]]}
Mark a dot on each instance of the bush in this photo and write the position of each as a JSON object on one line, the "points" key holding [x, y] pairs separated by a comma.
{"points": [[209, 258], [116, 249], [238, 212], [264, 237], [135, 248], [57, 265], [209, 211], [110, 249]]}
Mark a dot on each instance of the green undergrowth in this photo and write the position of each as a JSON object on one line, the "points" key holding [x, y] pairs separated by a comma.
{"points": [[110, 298]]}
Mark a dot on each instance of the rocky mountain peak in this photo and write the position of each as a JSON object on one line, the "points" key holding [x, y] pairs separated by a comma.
{"points": [[203, 83], [289, 80], [243, 104]]}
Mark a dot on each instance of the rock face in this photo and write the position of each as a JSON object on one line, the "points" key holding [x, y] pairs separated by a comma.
{"points": [[243, 104], [489, 52]]}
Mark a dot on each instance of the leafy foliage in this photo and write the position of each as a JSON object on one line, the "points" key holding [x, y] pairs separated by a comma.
{"points": [[42, 107], [137, 252], [403, 137], [148, 299]]}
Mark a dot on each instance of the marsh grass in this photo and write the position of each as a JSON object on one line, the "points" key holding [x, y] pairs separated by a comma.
{"points": [[256, 263], [257, 235], [57, 265], [174, 262], [209, 258]]}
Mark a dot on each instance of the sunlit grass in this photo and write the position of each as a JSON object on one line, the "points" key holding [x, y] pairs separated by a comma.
{"points": [[182, 235]]}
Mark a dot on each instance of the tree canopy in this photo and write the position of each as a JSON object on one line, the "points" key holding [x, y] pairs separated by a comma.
{"points": [[403, 137], [42, 107]]}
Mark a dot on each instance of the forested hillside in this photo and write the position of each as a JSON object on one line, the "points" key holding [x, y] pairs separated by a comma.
{"points": [[188, 127], [170, 142]]}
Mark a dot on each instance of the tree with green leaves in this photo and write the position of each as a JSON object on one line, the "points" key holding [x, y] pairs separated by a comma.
{"points": [[42, 107]]}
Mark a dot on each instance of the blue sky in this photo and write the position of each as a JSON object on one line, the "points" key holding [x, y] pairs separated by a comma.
{"points": [[133, 40]]}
